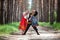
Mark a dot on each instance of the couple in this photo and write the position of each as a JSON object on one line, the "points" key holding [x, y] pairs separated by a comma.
{"points": [[27, 20]]}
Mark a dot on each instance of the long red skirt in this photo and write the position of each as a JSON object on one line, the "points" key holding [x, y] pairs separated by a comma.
{"points": [[23, 24]]}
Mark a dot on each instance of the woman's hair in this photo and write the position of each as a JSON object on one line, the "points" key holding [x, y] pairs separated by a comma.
{"points": [[35, 14], [30, 15]]}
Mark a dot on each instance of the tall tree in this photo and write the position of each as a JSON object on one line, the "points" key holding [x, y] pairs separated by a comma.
{"points": [[52, 11], [45, 10], [58, 11], [1, 11]]}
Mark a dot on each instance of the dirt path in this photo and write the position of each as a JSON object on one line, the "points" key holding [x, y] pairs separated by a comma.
{"points": [[45, 34]]}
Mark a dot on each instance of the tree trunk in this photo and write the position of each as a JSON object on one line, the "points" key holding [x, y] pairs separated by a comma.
{"points": [[1, 13], [51, 11], [45, 10], [58, 11]]}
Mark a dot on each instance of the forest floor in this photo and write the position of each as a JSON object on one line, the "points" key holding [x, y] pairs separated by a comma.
{"points": [[46, 33]]}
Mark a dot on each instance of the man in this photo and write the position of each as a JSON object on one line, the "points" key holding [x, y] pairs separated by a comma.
{"points": [[32, 21]]}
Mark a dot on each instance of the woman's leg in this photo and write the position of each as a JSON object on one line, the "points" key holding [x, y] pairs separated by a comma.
{"points": [[26, 29]]}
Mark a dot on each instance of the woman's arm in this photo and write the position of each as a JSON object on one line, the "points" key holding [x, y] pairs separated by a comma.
{"points": [[26, 15]]}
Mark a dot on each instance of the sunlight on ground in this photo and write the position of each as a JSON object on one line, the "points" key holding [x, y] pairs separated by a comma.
{"points": [[33, 36]]}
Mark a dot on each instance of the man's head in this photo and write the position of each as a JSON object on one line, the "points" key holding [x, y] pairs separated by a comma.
{"points": [[35, 13]]}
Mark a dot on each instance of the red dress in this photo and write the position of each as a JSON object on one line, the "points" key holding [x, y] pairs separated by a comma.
{"points": [[23, 24]]}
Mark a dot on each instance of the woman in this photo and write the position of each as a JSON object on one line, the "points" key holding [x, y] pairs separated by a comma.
{"points": [[23, 22]]}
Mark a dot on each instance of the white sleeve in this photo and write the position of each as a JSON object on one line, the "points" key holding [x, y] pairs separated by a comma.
{"points": [[27, 16]]}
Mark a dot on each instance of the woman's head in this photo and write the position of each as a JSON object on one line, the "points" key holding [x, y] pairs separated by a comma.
{"points": [[26, 13]]}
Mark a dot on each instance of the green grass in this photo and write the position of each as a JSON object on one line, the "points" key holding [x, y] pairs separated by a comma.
{"points": [[44, 24], [8, 28], [55, 26]]}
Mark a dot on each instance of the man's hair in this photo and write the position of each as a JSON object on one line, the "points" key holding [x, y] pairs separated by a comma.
{"points": [[35, 13]]}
